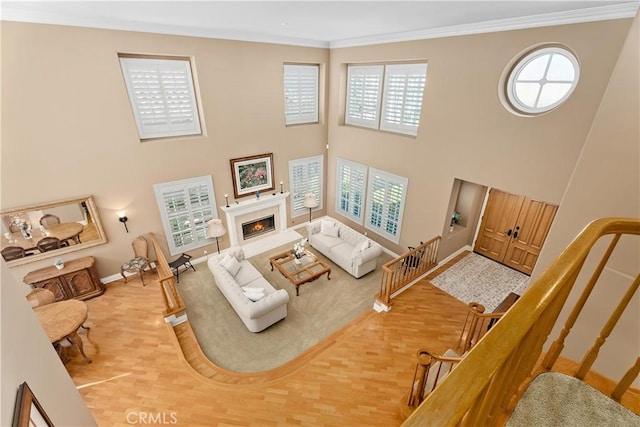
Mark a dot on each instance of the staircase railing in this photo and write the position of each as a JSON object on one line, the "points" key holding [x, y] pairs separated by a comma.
{"points": [[405, 269], [432, 368], [481, 389], [174, 306]]}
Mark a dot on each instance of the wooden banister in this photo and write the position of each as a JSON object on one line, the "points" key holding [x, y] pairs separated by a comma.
{"points": [[401, 271], [172, 300], [483, 384]]}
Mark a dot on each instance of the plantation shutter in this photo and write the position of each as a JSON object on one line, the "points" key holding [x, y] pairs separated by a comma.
{"points": [[364, 84], [305, 176], [185, 208], [351, 181], [300, 94], [386, 194], [402, 102], [162, 96]]}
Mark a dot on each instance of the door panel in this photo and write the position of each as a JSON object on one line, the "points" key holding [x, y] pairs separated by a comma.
{"points": [[498, 223], [532, 227]]}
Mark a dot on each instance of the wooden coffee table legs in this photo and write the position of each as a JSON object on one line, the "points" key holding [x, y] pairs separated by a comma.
{"points": [[311, 279]]}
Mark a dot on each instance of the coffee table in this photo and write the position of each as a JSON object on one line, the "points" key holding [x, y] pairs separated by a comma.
{"points": [[308, 270]]}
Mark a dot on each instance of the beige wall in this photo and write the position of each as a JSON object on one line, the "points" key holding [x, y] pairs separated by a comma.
{"points": [[68, 130], [465, 132], [606, 182]]}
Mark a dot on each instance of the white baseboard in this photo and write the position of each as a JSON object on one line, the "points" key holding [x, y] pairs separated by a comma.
{"points": [[380, 307], [455, 254], [176, 320]]}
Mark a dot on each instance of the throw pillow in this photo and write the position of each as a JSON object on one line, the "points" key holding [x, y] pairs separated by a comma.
{"points": [[254, 296], [253, 289], [363, 246], [232, 266], [329, 228]]}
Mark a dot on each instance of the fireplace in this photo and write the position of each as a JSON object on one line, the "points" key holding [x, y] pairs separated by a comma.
{"points": [[242, 212], [258, 226]]}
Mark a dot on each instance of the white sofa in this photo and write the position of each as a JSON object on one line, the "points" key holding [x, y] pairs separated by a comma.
{"points": [[256, 315], [355, 253]]}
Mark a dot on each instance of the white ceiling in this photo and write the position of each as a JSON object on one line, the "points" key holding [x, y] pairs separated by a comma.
{"points": [[315, 23]]}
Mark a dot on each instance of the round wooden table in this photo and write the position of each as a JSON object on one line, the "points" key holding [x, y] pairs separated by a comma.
{"points": [[63, 231], [61, 320]]}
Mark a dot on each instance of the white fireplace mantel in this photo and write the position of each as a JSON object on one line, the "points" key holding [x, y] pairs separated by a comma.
{"points": [[245, 207]]}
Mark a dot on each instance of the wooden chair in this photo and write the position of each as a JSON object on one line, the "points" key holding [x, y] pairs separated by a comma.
{"points": [[12, 252], [140, 261], [49, 219], [49, 244], [40, 296]]}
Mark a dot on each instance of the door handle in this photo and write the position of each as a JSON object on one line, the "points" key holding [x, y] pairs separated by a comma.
{"points": [[509, 232], [515, 234]]}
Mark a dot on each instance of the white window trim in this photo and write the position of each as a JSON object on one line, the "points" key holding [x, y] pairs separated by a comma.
{"points": [[297, 197], [403, 70], [163, 188], [366, 71], [297, 80], [384, 73], [513, 98], [388, 178], [354, 167], [165, 127]]}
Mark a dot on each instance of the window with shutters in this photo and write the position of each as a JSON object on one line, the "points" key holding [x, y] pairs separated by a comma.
{"points": [[162, 96], [386, 97], [386, 194], [305, 176], [364, 84], [350, 191], [185, 207], [300, 94]]}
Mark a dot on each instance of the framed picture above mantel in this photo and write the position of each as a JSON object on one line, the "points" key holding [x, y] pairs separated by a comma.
{"points": [[251, 174]]}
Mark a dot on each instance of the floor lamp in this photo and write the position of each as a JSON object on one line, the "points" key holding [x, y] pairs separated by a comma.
{"points": [[310, 202], [216, 229]]}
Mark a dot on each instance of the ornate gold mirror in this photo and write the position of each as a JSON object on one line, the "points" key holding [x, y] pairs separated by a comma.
{"points": [[36, 232]]}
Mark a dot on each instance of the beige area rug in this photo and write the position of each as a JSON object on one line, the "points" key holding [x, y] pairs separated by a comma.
{"points": [[323, 307], [476, 278]]}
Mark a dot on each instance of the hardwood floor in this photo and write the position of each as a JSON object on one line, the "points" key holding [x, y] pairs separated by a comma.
{"points": [[355, 377]]}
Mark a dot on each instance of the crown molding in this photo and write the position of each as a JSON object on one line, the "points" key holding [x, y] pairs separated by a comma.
{"points": [[602, 13], [13, 12]]}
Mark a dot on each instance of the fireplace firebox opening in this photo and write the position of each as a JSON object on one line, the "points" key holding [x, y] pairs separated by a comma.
{"points": [[257, 227]]}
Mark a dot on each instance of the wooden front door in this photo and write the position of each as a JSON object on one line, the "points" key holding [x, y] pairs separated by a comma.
{"points": [[513, 229]]}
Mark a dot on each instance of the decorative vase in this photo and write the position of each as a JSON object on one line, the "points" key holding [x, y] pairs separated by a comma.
{"points": [[258, 194], [297, 260]]}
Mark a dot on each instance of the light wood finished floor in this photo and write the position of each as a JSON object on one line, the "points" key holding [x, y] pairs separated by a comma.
{"points": [[357, 377]]}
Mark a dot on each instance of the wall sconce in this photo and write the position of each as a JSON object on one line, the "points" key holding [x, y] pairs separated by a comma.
{"points": [[122, 215]]}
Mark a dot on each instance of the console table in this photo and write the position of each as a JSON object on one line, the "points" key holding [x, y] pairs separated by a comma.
{"points": [[78, 280]]}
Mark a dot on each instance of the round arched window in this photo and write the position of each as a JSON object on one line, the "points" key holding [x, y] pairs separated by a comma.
{"points": [[542, 79]]}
